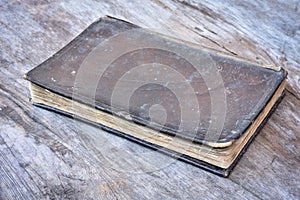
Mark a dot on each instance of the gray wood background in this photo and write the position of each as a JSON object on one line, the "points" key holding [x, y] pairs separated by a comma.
{"points": [[44, 155]]}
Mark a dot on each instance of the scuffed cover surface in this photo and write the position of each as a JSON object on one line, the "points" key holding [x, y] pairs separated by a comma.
{"points": [[247, 87]]}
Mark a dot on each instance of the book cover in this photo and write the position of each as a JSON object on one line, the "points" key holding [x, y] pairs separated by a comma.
{"points": [[192, 103]]}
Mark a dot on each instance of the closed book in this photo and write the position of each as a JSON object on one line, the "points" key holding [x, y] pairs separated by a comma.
{"points": [[195, 104]]}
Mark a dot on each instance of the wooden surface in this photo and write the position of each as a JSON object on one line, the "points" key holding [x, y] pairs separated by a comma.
{"points": [[48, 156]]}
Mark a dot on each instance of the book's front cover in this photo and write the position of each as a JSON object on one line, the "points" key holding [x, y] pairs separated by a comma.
{"points": [[159, 82]]}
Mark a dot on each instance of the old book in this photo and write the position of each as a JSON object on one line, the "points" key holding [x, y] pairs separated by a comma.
{"points": [[195, 104]]}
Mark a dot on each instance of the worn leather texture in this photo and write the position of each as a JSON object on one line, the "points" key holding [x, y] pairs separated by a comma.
{"points": [[240, 90]]}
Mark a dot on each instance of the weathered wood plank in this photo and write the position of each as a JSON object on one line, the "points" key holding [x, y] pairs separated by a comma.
{"points": [[45, 155]]}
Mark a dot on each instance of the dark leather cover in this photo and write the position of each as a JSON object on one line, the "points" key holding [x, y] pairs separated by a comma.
{"points": [[227, 102]]}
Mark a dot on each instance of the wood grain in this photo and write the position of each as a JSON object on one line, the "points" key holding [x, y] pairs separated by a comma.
{"points": [[48, 156]]}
